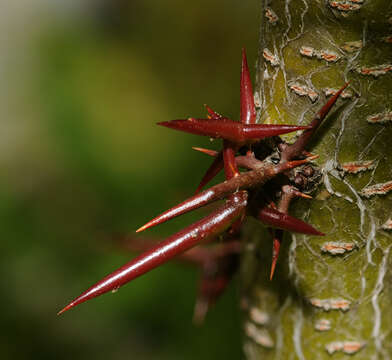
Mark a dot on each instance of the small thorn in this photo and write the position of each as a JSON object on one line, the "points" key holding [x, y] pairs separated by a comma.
{"points": [[290, 190], [214, 169], [209, 152], [305, 196], [229, 163], [273, 265], [307, 153], [250, 153], [295, 163], [273, 205], [212, 114], [313, 157], [298, 193], [277, 236]]}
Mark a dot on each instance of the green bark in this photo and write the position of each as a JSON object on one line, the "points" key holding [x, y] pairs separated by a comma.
{"points": [[282, 316]]}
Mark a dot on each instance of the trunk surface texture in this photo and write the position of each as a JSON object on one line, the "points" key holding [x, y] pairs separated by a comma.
{"points": [[331, 296]]}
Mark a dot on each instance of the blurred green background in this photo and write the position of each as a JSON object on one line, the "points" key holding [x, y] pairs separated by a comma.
{"points": [[82, 161]]}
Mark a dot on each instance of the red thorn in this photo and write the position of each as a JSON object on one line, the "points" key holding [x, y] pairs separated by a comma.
{"points": [[291, 164], [236, 227], [212, 171], [300, 194], [212, 114], [243, 181], [272, 205], [298, 147], [312, 157], [277, 239], [231, 170], [294, 163], [227, 129], [144, 227], [277, 219], [248, 111], [307, 153], [261, 131], [208, 152], [68, 307], [293, 191], [229, 162], [325, 109], [200, 199], [192, 203], [203, 230]]}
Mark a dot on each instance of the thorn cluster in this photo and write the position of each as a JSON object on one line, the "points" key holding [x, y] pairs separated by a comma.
{"points": [[241, 191]]}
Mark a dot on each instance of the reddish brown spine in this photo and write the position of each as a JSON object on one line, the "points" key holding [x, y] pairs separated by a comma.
{"points": [[227, 129], [201, 231], [280, 220], [243, 181], [248, 112]]}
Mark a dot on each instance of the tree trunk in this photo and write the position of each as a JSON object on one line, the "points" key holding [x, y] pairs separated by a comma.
{"points": [[330, 295]]}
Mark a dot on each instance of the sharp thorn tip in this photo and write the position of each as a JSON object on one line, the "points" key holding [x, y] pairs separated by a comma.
{"points": [[305, 196], [313, 157], [142, 228], [272, 269], [66, 308]]}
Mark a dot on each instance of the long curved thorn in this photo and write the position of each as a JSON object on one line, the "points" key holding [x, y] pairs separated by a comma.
{"points": [[243, 181], [248, 111], [201, 231], [296, 149], [228, 129], [275, 218]]}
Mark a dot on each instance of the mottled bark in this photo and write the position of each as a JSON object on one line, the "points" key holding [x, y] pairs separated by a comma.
{"points": [[331, 296]]}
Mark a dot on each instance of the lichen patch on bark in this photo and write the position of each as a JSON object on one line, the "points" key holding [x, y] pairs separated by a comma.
{"points": [[347, 347], [337, 248], [323, 325], [304, 90], [380, 118], [375, 71], [377, 189], [331, 304], [354, 167]]}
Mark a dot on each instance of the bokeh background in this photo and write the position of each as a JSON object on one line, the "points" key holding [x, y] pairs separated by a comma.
{"points": [[82, 163]]}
